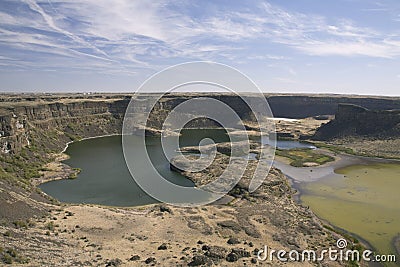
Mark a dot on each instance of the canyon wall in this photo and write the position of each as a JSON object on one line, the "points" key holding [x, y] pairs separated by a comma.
{"points": [[356, 121], [301, 106], [49, 121], [22, 124]]}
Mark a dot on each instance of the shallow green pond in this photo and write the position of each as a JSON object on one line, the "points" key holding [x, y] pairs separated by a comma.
{"points": [[362, 199]]}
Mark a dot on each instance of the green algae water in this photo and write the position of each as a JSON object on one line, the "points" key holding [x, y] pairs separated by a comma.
{"points": [[361, 199]]}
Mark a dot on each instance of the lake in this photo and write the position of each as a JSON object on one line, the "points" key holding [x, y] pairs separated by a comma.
{"points": [[362, 199], [105, 179]]}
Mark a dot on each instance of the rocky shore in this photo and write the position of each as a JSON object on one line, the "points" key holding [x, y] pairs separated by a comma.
{"points": [[396, 243], [37, 230]]}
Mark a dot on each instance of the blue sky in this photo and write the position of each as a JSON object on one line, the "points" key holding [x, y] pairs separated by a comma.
{"points": [[338, 46]]}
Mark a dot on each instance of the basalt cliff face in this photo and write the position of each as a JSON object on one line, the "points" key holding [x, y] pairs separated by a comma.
{"points": [[301, 106], [51, 125], [357, 121], [49, 121]]}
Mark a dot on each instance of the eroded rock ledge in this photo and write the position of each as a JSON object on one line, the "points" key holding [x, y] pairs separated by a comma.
{"points": [[357, 121]]}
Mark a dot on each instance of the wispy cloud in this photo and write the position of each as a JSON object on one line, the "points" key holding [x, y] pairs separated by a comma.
{"points": [[268, 57], [350, 48], [376, 9], [126, 35]]}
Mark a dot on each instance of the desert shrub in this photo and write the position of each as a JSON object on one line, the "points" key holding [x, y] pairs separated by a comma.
{"points": [[9, 256], [7, 233], [50, 226], [20, 224]]}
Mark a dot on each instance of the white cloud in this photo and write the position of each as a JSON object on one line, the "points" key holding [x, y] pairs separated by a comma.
{"points": [[376, 9], [349, 48], [125, 34], [268, 56]]}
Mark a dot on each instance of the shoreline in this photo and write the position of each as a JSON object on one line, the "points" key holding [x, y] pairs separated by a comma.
{"points": [[339, 163], [85, 138], [65, 171], [396, 244], [342, 161], [339, 230], [298, 198]]}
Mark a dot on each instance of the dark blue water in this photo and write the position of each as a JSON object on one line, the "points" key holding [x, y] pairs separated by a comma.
{"points": [[286, 144]]}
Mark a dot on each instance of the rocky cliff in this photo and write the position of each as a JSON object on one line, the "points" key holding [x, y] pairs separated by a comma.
{"points": [[301, 106], [49, 121], [53, 124], [352, 120], [33, 130]]}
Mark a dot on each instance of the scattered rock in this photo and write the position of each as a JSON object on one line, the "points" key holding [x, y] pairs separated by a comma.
{"points": [[68, 213], [200, 260], [255, 251], [150, 260], [113, 262], [164, 208], [232, 257], [241, 252], [233, 241], [205, 247], [134, 258], [216, 252], [163, 247]]}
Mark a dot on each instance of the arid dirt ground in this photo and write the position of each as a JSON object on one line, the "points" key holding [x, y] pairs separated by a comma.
{"points": [[87, 235], [387, 148]]}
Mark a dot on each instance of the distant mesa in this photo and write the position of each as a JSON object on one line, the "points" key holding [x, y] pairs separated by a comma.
{"points": [[352, 120]]}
